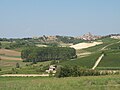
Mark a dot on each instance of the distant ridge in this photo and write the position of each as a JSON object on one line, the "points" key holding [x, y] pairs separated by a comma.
{"points": [[67, 39]]}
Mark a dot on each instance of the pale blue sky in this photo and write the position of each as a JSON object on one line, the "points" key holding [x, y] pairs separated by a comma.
{"points": [[27, 18]]}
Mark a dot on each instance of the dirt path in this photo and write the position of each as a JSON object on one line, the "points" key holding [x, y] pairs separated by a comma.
{"points": [[98, 61], [24, 75]]}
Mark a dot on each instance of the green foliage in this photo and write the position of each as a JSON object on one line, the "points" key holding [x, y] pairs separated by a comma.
{"points": [[17, 65], [13, 71], [48, 53], [52, 44], [20, 43], [53, 62], [67, 39], [75, 71]]}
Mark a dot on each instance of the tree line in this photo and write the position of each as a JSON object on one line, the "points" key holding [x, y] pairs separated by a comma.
{"points": [[38, 54], [75, 71]]}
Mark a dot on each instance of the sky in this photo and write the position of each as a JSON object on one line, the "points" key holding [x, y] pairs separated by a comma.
{"points": [[28, 18]]}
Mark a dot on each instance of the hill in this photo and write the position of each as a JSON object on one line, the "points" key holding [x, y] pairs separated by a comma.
{"points": [[86, 57], [110, 47]]}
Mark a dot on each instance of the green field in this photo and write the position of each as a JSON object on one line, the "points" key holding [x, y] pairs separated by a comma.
{"points": [[111, 60], [114, 46], [86, 62], [9, 67], [106, 41], [71, 83]]}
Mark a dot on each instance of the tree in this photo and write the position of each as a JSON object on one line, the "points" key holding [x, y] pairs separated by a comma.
{"points": [[38, 54], [17, 65], [74, 71]]}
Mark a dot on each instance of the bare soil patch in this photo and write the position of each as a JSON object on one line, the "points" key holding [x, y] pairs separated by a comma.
{"points": [[9, 58], [9, 52], [85, 45]]}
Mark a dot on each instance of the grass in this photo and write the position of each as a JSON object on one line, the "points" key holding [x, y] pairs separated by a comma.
{"points": [[5, 44], [71, 83], [8, 65], [109, 40], [38, 68], [115, 46], [106, 41], [86, 62], [111, 60]]}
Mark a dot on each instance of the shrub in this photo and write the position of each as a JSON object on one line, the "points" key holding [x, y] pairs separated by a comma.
{"points": [[75, 72], [17, 65]]}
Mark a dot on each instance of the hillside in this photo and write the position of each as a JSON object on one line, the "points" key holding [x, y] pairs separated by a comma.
{"points": [[87, 55], [6, 54]]}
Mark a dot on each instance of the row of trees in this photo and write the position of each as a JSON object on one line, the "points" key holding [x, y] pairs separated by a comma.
{"points": [[37, 54]]}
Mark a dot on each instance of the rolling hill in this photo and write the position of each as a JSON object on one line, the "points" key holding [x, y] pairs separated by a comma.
{"points": [[87, 57]]}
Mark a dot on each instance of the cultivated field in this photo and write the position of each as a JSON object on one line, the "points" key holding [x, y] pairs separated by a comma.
{"points": [[9, 52], [87, 62], [9, 67], [111, 60], [85, 45], [6, 54]]}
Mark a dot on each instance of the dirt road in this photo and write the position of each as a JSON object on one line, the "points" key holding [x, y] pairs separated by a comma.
{"points": [[24, 75], [98, 61]]}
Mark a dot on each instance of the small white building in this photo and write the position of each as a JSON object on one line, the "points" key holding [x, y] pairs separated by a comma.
{"points": [[52, 69]]}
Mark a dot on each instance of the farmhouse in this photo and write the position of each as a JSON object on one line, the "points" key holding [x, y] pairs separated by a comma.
{"points": [[52, 69]]}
